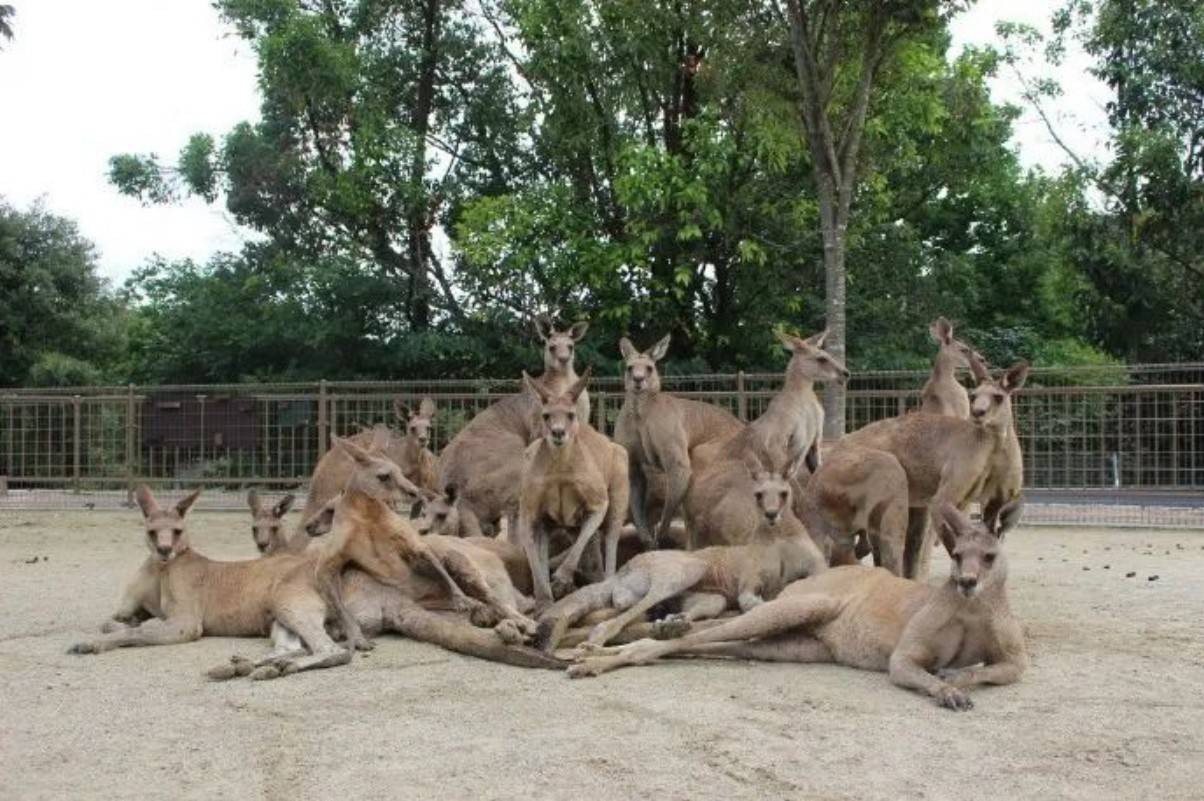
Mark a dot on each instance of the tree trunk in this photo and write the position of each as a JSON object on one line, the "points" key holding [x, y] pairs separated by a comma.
{"points": [[834, 229], [418, 216]]}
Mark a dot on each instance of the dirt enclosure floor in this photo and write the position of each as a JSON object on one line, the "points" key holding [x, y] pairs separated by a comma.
{"points": [[1113, 707]]}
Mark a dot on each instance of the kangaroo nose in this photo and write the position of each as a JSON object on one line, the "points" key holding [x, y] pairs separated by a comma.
{"points": [[262, 546], [967, 582], [163, 550], [772, 517], [978, 412]]}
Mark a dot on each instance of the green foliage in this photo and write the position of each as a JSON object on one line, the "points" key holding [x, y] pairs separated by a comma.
{"points": [[58, 320]]}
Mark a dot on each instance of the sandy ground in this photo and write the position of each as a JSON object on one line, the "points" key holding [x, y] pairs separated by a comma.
{"points": [[1113, 707]]}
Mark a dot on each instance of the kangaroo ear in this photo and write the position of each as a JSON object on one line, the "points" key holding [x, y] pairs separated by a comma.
{"points": [[579, 385], [1014, 378], [788, 341], [578, 329], [818, 340], [535, 388], [950, 524], [416, 508], [626, 348], [978, 367], [659, 349], [253, 501], [1008, 517], [941, 330], [426, 408], [185, 503], [357, 453], [400, 411], [146, 501], [283, 505], [543, 326]]}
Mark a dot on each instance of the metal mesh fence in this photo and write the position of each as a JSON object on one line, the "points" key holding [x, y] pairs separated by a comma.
{"points": [[1110, 445]]}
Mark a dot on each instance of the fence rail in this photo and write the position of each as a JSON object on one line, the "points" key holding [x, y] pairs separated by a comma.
{"points": [[1125, 429]]}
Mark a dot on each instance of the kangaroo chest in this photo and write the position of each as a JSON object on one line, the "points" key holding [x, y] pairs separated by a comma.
{"points": [[567, 499]]}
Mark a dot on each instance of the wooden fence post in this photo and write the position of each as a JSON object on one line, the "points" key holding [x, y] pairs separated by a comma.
{"points": [[322, 438], [130, 454], [741, 398], [75, 446]]}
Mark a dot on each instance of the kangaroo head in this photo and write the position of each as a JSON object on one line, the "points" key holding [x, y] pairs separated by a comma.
{"points": [[978, 560], [558, 412], [639, 369], [991, 400], [558, 346], [809, 360], [322, 521], [956, 351], [418, 424], [377, 476], [267, 521], [165, 534], [771, 488], [438, 514]]}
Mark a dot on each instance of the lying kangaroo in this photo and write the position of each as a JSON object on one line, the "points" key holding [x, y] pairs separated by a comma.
{"points": [[192, 596], [438, 516], [267, 523], [952, 460], [484, 460], [659, 432], [336, 467], [942, 392], [962, 631], [716, 579], [857, 493], [573, 477]]}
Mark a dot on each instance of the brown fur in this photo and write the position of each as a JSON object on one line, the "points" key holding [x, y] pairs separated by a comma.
{"points": [[659, 431], [572, 478], [413, 454], [942, 392], [949, 460], [267, 523], [484, 460], [857, 492], [963, 631]]}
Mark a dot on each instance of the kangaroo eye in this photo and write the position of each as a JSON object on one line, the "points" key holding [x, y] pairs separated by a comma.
{"points": [[822, 360], [759, 495], [783, 494], [572, 416], [384, 477], [997, 399], [957, 557], [175, 532], [989, 559]]}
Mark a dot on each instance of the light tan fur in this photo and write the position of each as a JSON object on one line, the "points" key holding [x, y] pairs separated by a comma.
{"points": [[942, 392], [855, 493], [949, 460], [413, 454], [794, 420], [937, 640], [574, 478], [716, 579], [438, 515], [659, 431], [267, 522], [336, 468], [484, 460]]}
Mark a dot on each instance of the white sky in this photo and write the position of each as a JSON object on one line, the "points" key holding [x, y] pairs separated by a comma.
{"points": [[83, 80]]}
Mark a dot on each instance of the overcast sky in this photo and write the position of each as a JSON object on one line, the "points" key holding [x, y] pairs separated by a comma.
{"points": [[83, 80]]}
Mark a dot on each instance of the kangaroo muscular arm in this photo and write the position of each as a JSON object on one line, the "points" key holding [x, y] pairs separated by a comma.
{"points": [[1005, 666]]}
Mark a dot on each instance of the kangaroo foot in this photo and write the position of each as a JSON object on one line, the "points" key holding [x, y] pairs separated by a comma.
{"points": [[670, 627]]}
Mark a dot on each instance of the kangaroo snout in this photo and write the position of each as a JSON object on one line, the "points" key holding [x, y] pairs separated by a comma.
{"points": [[967, 584]]}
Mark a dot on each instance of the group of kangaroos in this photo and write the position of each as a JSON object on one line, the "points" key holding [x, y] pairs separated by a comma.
{"points": [[536, 540]]}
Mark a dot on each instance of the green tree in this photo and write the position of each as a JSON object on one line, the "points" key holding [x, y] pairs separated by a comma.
{"points": [[58, 321]]}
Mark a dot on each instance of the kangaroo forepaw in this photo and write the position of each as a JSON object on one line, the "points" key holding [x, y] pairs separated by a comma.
{"points": [[266, 672], [483, 616], [510, 632], [562, 585], [670, 627], [952, 698]]}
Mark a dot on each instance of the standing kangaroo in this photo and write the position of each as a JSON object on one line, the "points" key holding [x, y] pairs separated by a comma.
{"points": [[484, 460], [572, 477], [949, 460], [413, 453], [942, 392], [659, 431], [938, 640]]}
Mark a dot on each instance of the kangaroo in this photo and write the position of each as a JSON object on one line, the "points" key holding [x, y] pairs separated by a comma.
{"points": [[794, 419], [192, 596], [857, 493], [716, 579], [659, 432], [952, 460], [938, 640], [942, 392], [573, 477], [484, 460], [336, 467], [267, 523], [438, 515], [413, 453]]}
